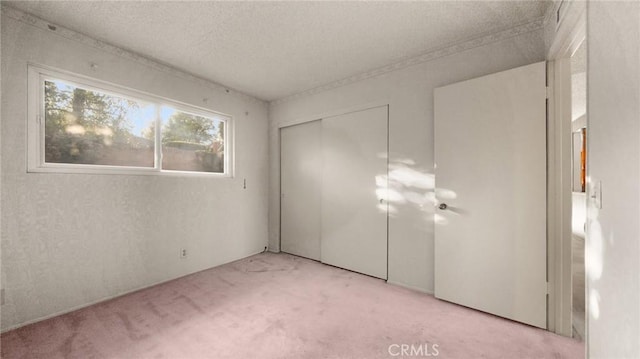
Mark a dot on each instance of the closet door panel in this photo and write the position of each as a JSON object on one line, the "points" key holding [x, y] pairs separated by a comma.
{"points": [[354, 175], [300, 188]]}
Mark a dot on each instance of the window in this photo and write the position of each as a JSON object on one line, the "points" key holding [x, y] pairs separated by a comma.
{"points": [[191, 142], [86, 126]]}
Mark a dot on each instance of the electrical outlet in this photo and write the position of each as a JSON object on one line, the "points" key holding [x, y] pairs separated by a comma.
{"points": [[183, 253]]}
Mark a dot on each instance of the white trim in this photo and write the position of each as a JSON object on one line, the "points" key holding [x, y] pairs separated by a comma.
{"points": [[37, 74], [570, 30], [121, 170], [119, 90], [430, 55], [121, 294], [567, 35], [332, 113], [417, 289], [550, 13], [157, 151], [34, 99], [559, 197]]}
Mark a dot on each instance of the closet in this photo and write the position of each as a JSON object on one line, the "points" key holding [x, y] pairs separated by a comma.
{"points": [[333, 184]]}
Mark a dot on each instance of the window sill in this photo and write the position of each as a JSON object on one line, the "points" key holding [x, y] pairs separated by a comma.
{"points": [[129, 171]]}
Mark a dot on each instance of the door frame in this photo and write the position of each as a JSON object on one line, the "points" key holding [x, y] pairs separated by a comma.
{"points": [[565, 30]]}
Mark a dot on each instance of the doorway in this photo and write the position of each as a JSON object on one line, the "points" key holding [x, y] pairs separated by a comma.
{"points": [[568, 141], [579, 154]]}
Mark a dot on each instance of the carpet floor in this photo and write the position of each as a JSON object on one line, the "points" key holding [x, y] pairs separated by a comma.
{"points": [[281, 306]]}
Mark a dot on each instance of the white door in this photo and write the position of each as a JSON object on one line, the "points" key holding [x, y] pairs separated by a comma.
{"points": [[490, 153], [300, 187], [354, 221]]}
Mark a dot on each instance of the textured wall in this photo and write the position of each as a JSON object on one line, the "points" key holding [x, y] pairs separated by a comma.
{"points": [[72, 239], [613, 233], [409, 93]]}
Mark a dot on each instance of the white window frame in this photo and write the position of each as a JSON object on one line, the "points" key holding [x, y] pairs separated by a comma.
{"points": [[38, 74]]}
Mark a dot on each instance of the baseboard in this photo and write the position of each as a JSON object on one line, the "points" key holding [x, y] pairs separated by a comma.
{"points": [[105, 299], [417, 289]]}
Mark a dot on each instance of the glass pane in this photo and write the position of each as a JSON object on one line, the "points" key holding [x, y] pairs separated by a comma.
{"points": [[88, 127], [191, 143]]}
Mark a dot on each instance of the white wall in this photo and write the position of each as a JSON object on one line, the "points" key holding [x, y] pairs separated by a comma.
{"points": [[613, 237], [578, 213], [409, 93], [72, 239]]}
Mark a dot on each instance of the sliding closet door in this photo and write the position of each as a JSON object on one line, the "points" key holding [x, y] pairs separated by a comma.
{"points": [[354, 217], [300, 176]]}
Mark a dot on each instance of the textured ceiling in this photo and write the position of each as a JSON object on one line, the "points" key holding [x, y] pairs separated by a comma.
{"points": [[274, 49]]}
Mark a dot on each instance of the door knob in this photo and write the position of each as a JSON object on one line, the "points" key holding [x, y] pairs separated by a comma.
{"points": [[442, 206]]}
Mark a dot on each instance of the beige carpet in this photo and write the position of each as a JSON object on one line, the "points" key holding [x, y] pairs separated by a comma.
{"points": [[281, 306]]}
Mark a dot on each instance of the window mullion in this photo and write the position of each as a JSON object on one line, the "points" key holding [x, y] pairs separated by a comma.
{"points": [[41, 121], [121, 144], [158, 144]]}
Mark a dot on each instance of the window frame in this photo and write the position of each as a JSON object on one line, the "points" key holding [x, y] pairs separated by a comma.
{"points": [[38, 74]]}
